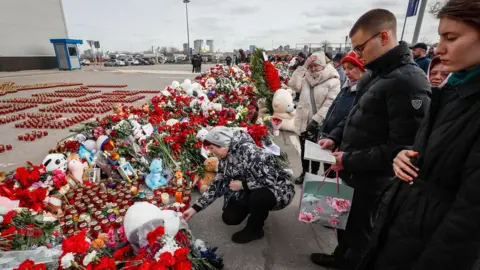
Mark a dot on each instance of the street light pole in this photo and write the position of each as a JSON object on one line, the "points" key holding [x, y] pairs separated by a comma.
{"points": [[188, 28]]}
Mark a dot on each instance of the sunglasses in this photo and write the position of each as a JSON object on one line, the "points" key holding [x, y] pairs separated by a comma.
{"points": [[359, 49]]}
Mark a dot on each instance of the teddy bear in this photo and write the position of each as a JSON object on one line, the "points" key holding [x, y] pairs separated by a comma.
{"points": [[262, 108], [284, 109], [155, 178], [210, 165]]}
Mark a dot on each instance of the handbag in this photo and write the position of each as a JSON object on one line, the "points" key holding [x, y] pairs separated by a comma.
{"points": [[325, 201], [313, 128]]}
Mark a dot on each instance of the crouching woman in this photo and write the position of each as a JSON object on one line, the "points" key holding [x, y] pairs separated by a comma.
{"points": [[250, 180]]}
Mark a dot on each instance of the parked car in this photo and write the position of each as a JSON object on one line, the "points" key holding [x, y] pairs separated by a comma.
{"points": [[85, 62], [142, 61], [114, 63], [132, 62]]}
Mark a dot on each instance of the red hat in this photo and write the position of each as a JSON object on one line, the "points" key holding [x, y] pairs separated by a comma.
{"points": [[352, 58]]}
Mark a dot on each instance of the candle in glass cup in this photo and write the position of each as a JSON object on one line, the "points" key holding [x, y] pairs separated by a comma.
{"points": [[178, 196], [165, 198]]}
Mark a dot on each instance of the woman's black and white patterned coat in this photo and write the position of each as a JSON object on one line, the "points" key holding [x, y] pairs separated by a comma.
{"points": [[253, 166]]}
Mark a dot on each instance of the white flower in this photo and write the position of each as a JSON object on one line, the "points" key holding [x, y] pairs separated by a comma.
{"points": [[89, 258], [67, 260], [170, 245]]}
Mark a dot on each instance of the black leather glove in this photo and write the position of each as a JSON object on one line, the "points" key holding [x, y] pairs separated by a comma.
{"points": [[312, 126]]}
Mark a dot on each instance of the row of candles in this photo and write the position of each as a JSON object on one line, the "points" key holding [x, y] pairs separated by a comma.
{"points": [[123, 100], [7, 147], [12, 118], [106, 85], [81, 90], [34, 100], [61, 95], [136, 91], [75, 109], [11, 108], [41, 123], [31, 136]]}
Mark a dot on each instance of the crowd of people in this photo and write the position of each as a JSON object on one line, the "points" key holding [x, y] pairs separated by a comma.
{"points": [[404, 126]]}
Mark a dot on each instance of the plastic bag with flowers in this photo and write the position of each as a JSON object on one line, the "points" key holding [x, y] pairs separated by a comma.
{"points": [[325, 201]]}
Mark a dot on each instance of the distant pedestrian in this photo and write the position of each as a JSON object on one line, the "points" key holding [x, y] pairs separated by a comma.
{"points": [[228, 59], [336, 61], [431, 52], [419, 52]]}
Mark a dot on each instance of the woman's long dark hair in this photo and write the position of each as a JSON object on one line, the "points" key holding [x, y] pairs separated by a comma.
{"points": [[466, 11]]}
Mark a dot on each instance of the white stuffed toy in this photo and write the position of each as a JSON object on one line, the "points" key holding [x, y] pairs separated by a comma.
{"points": [[202, 134], [210, 83], [138, 131], [284, 109], [55, 161]]}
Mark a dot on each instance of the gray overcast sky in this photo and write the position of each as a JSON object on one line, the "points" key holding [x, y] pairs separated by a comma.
{"points": [[137, 25]]}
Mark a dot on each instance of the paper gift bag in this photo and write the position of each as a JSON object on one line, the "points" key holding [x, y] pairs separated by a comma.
{"points": [[325, 201]]}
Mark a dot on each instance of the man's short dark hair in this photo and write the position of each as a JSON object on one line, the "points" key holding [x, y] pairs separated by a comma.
{"points": [[375, 21]]}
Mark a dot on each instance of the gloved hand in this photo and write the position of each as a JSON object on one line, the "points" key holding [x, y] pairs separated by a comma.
{"points": [[312, 126]]}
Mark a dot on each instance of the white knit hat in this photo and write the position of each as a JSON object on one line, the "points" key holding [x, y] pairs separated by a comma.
{"points": [[221, 136], [320, 59]]}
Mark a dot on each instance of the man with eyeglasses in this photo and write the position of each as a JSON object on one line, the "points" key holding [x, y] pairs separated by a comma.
{"points": [[392, 99]]}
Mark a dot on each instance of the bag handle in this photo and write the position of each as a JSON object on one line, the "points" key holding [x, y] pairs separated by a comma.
{"points": [[325, 178], [312, 100]]}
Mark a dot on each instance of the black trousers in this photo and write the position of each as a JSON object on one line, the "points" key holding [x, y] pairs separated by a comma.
{"points": [[306, 163], [257, 204], [355, 238]]}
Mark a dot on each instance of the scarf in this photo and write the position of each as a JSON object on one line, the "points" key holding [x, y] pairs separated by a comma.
{"points": [[314, 80], [352, 85], [461, 77]]}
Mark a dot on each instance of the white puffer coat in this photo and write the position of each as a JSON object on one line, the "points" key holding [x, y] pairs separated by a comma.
{"points": [[325, 93]]}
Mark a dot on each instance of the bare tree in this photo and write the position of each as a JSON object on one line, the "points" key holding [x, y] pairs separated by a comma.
{"points": [[435, 7], [425, 40], [164, 50]]}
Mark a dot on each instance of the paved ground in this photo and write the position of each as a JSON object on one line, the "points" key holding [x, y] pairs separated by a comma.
{"points": [[287, 243]]}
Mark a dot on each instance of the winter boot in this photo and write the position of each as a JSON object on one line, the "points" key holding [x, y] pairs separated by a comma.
{"points": [[299, 180], [246, 235], [325, 260]]}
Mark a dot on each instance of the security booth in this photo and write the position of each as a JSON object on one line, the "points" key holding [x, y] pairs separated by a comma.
{"points": [[66, 51]]}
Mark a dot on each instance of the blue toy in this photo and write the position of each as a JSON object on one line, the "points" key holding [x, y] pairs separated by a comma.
{"points": [[86, 154], [155, 178]]}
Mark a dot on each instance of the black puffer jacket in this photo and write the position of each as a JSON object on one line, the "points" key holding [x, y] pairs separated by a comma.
{"points": [[391, 101], [435, 222]]}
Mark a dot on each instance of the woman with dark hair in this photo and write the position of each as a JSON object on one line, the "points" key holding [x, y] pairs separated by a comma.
{"points": [[430, 217]]}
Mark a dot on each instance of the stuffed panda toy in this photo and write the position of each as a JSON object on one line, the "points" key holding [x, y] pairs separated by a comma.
{"points": [[55, 161]]}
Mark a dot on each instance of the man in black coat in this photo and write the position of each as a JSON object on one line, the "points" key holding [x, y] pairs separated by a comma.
{"points": [[228, 59], [391, 101]]}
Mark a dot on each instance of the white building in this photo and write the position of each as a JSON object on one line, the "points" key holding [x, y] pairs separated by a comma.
{"points": [[26, 28], [198, 45], [210, 44]]}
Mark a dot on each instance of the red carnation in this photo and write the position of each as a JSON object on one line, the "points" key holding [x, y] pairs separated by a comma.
{"points": [[167, 259], [154, 235], [183, 265], [76, 243], [30, 265], [181, 254], [119, 255], [106, 263], [7, 219]]}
